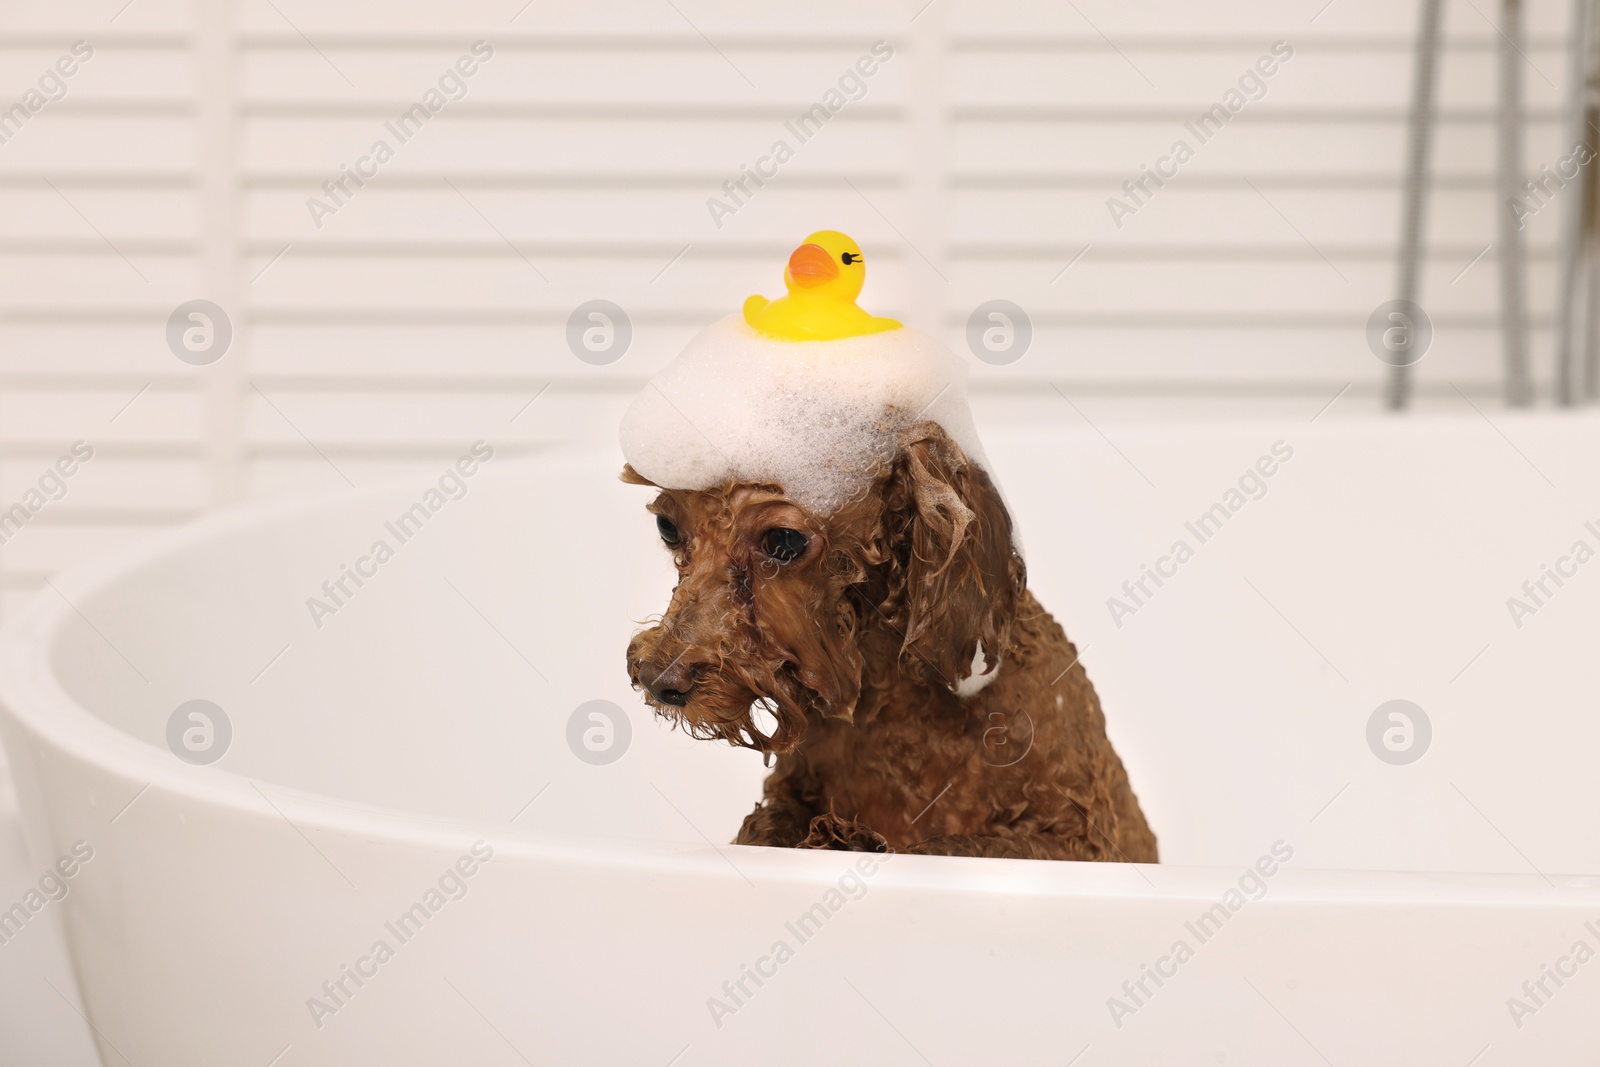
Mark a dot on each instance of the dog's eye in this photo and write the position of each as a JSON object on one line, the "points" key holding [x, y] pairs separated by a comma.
{"points": [[668, 531], [784, 545]]}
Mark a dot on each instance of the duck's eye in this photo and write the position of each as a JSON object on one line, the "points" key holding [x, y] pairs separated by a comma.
{"points": [[851, 257], [784, 545], [668, 531]]}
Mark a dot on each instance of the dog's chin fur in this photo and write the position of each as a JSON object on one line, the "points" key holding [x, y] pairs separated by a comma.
{"points": [[724, 711], [859, 648]]}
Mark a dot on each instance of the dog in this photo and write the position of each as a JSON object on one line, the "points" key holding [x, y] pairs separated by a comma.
{"points": [[917, 698]]}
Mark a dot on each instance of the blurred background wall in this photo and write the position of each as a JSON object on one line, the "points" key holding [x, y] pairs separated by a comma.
{"points": [[431, 306]]}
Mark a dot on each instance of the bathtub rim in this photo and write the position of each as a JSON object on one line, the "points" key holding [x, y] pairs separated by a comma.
{"points": [[34, 703]]}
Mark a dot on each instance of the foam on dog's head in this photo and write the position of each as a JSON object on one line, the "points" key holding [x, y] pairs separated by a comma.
{"points": [[819, 418]]}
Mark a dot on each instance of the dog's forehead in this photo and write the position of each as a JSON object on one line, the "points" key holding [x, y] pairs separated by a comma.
{"points": [[735, 501], [744, 496]]}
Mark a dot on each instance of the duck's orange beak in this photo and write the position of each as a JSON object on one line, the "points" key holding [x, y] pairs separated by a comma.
{"points": [[811, 266]]}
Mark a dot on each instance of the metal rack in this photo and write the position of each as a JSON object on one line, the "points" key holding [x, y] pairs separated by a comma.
{"points": [[1578, 301]]}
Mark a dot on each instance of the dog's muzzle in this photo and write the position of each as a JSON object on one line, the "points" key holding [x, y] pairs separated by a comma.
{"points": [[670, 685], [662, 668]]}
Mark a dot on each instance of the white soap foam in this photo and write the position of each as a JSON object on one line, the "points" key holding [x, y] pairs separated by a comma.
{"points": [[810, 416]]}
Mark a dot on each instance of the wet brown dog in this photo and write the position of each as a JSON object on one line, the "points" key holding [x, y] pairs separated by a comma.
{"points": [[858, 634]]}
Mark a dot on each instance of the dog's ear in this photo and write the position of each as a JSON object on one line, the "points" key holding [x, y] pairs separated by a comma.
{"points": [[963, 579], [633, 477]]}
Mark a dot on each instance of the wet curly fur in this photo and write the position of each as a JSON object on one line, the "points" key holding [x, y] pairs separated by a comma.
{"points": [[855, 649]]}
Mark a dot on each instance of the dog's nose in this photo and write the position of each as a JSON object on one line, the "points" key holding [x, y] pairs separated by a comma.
{"points": [[671, 685]]}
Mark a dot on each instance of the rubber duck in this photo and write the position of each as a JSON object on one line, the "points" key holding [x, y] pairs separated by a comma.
{"points": [[824, 278]]}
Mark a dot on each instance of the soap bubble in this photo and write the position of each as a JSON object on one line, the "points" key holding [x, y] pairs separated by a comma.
{"points": [[816, 417]]}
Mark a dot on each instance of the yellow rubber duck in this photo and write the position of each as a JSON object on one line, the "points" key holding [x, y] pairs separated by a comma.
{"points": [[824, 278]]}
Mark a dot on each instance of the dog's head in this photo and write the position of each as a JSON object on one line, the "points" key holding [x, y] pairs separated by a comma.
{"points": [[822, 616]]}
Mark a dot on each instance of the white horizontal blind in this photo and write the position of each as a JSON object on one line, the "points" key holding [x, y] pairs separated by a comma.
{"points": [[98, 232], [430, 308]]}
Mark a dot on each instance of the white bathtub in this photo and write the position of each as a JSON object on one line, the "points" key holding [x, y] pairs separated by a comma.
{"points": [[376, 750]]}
